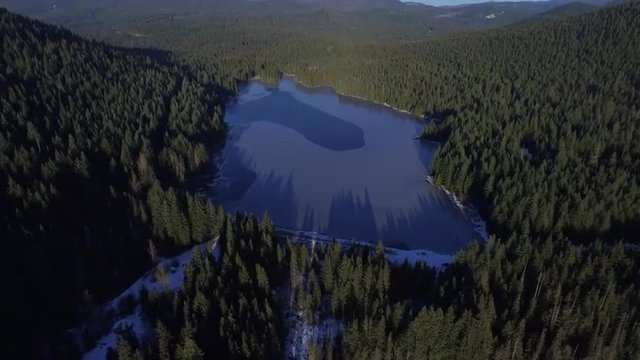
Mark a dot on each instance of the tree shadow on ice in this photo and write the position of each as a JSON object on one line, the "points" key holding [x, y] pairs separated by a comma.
{"points": [[235, 176], [435, 226], [352, 217], [271, 194], [308, 220]]}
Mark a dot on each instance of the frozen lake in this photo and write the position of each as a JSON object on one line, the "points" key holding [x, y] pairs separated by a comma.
{"points": [[315, 160]]}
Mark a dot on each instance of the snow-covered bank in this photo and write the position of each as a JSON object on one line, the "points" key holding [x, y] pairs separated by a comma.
{"points": [[136, 321], [470, 211], [479, 225], [300, 333], [395, 256]]}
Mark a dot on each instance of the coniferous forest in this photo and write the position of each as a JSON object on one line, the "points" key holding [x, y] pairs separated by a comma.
{"points": [[95, 140], [103, 140]]}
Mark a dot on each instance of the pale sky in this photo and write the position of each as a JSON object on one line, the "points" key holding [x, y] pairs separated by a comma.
{"points": [[458, 2]]}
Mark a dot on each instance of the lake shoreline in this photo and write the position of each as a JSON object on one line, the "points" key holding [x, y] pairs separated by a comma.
{"points": [[448, 232], [395, 255], [338, 92], [470, 211]]}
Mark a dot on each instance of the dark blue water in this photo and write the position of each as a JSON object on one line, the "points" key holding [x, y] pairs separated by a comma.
{"points": [[315, 160]]}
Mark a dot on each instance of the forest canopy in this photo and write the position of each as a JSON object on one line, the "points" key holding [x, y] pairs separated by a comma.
{"points": [[99, 144], [538, 118]]}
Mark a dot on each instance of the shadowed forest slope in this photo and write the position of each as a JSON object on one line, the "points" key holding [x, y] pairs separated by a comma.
{"points": [[85, 131]]}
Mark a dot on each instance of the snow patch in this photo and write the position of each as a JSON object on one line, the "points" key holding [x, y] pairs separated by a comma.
{"points": [[395, 256], [494, 15], [470, 211], [136, 322], [302, 334], [449, 14], [525, 153], [412, 257]]}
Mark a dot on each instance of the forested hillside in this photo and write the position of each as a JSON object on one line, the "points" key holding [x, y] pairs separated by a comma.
{"points": [[86, 130], [99, 146], [539, 117], [538, 121], [164, 24], [518, 299]]}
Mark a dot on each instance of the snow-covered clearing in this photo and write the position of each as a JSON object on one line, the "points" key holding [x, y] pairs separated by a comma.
{"points": [[136, 321], [301, 333]]}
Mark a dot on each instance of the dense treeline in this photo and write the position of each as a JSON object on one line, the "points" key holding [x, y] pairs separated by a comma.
{"points": [[512, 301], [98, 145], [517, 299], [540, 117], [540, 120], [235, 39], [93, 141], [226, 308], [538, 123]]}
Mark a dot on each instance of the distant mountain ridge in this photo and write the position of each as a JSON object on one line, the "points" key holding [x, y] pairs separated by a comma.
{"points": [[118, 21], [37, 6], [567, 10], [45, 5]]}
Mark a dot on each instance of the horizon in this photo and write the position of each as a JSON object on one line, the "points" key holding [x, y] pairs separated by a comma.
{"points": [[463, 2]]}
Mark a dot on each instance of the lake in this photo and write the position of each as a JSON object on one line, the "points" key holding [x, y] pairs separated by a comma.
{"points": [[348, 168]]}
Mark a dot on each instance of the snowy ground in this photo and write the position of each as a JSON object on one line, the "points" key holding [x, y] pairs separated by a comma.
{"points": [[136, 321], [394, 256], [302, 334]]}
